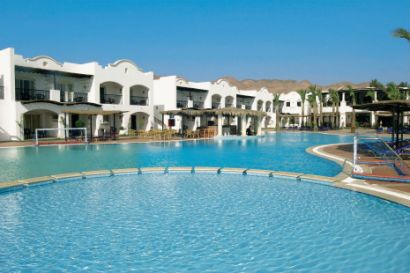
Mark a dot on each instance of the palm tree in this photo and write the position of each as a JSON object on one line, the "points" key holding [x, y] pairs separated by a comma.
{"points": [[393, 92], [402, 33], [376, 84], [320, 97], [352, 94], [276, 104], [334, 98], [302, 94], [313, 104]]}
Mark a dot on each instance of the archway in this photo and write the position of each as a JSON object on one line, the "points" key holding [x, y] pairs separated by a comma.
{"points": [[216, 101], [268, 106], [39, 118], [139, 95], [260, 105], [110, 93], [139, 121], [229, 100]]}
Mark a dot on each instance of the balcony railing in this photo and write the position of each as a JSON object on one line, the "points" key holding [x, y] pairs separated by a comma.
{"points": [[198, 104], [216, 105], [182, 104], [1, 92], [111, 99], [76, 97], [32, 94], [137, 100], [80, 97], [246, 106]]}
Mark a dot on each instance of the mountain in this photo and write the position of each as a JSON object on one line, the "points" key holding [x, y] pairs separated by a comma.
{"points": [[283, 86]]}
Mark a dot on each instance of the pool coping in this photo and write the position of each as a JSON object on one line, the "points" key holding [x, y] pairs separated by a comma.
{"points": [[345, 183]]}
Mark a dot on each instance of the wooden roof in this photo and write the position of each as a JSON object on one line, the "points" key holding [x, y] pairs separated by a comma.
{"points": [[229, 111], [387, 105], [92, 112]]}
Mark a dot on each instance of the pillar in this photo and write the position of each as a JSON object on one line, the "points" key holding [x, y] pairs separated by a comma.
{"points": [[373, 119], [219, 125], [258, 126], [61, 125], [243, 125]]}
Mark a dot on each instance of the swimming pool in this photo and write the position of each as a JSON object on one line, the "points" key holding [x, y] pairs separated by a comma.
{"points": [[281, 151], [200, 222]]}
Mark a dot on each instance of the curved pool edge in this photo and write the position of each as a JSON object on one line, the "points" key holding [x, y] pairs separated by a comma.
{"points": [[346, 183]]}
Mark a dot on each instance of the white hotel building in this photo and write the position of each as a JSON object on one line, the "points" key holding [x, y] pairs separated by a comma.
{"points": [[41, 92]]}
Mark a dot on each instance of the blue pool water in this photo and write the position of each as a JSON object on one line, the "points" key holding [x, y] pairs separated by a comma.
{"points": [[282, 151], [198, 223]]}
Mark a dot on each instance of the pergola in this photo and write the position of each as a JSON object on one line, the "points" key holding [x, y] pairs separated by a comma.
{"points": [[396, 108], [91, 113], [228, 111]]}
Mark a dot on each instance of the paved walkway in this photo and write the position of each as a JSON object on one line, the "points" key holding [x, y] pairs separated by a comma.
{"points": [[345, 151]]}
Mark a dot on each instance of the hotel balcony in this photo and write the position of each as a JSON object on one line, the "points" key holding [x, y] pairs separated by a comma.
{"points": [[216, 105], [111, 99], [138, 100], [198, 104], [182, 103], [32, 94], [73, 96]]}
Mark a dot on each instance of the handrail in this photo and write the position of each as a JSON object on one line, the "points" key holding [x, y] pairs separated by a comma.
{"points": [[32, 94]]}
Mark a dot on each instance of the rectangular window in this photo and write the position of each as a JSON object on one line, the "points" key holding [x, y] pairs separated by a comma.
{"points": [[288, 104], [1, 92], [299, 104]]}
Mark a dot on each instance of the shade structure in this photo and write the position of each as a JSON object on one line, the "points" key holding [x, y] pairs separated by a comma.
{"points": [[228, 111], [396, 108], [92, 112]]}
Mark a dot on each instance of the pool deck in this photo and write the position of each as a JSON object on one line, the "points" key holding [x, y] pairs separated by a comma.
{"points": [[393, 191]]}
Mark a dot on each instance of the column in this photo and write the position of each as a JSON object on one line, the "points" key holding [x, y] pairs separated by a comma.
{"points": [[243, 125], [98, 120], [259, 126], [373, 119], [219, 124], [61, 125]]}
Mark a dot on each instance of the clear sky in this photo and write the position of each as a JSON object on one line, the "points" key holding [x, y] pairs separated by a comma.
{"points": [[323, 41]]}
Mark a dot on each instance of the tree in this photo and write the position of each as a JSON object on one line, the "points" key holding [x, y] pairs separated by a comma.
{"points": [[376, 84], [334, 98], [302, 94], [276, 104], [393, 92], [312, 90], [352, 94], [320, 97], [402, 33]]}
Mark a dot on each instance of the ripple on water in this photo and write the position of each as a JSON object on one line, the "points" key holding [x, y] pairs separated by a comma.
{"points": [[185, 222]]}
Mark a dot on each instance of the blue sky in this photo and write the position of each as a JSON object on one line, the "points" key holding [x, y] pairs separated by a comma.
{"points": [[323, 41]]}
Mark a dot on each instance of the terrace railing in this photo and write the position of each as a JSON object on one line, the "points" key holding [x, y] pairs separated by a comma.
{"points": [[216, 105], [111, 99], [32, 94], [138, 100], [182, 103], [80, 97], [198, 104]]}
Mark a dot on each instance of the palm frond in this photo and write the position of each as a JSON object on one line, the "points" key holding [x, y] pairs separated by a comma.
{"points": [[402, 33]]}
